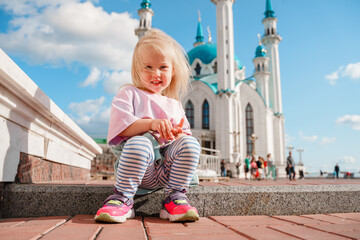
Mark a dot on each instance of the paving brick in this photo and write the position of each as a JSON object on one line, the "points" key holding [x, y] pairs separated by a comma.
{"points": [[89, 219], [331, 219], [133, 233], [72, 231], [33, 228], [353, 216], [20, 233], [239, 218], [201, 230], [302, 220], [202, 222], [10, 222], [154, 222], [249, 221], [261, 233], [349, 230], [306, 232], [232, 236]]}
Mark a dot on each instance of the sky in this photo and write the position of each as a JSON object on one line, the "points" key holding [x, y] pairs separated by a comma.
{"points": [[79, 53]]}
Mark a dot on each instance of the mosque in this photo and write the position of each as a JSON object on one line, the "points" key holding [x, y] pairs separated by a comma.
{"points": [[228, 110]]}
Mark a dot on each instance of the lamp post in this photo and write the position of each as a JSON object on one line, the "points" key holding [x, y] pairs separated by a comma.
{"points": [[290, 148], [202, 136], [235, 135], [253, 138], [300, 151]]}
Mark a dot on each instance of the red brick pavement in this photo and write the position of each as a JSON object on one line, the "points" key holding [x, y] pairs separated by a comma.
{"points": [[325, 226]]}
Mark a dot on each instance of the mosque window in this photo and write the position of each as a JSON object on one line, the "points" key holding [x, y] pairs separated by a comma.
{"points": [[249, 114], [144, 22], [263, 67], [197, 69], [189, 112], [268, 32], [272, 31], [205, 115], [215, 67], [258, 67]]}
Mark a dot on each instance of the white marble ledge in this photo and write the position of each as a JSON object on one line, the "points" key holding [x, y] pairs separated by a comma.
{"points": [[28, 113]]}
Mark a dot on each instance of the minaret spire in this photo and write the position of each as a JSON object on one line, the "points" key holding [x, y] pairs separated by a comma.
{"points": [[145, 13], [271, 40], [199, 33], [209, 34], [269, 12], [225, 44]]}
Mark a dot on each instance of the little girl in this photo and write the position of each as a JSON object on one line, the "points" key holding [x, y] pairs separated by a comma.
{"points": [[149, 133]]}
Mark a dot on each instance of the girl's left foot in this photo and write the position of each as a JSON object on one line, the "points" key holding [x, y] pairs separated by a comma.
{"points": [[176, 208]]}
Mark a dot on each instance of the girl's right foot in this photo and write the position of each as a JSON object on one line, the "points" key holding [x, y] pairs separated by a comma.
{"points": [[115, 210]]}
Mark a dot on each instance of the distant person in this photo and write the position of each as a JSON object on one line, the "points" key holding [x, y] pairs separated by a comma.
{"points": [[237, 169], [271, 167], [337, 169], [150, 134], [291, 167], [254, 168], [223, 168], [260, 165], [301, 174], [247, 166], [321, 173]]}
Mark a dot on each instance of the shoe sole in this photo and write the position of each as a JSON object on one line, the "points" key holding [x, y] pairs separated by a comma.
{"points": [[189, 216], [106, 217]]}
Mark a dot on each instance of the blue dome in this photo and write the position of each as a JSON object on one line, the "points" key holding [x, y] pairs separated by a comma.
{"points": [[145, 4], [207, 53], [260, 51]]}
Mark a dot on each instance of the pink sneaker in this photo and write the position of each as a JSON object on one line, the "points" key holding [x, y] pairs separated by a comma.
{"points": [[115, 210], [176, 208]]}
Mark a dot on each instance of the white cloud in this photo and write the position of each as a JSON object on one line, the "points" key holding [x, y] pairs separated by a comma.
{"points": [[352, 71], [332, 77], [116, 80], [92, 116], [347, 159], [326, 140], [352, 120], [93, 78], [312, 138], [64, 32], [288, 139], [90, 106]]}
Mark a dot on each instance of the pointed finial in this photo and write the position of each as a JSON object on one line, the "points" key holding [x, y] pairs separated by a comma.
{"points": [[269, 12], [199, 15], [209, 32], [259, 38]]}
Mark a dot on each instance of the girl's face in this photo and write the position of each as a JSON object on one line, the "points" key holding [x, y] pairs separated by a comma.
{"points": [[157, 72]]}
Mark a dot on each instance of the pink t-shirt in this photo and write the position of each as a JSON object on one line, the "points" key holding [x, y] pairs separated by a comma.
{"points": [[131, 104]]}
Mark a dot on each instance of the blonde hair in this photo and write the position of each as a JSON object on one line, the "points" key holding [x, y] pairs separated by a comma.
{"points": [[166, 46]]}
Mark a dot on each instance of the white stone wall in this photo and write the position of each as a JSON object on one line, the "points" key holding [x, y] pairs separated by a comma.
{"points": [[30, 122]]}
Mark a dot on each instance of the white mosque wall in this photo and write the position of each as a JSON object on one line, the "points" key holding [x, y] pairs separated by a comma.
{"points": [[31, 123], [249, 95]]}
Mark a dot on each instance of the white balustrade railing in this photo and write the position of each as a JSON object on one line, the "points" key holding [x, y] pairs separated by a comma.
{"points": [[210, 160]]}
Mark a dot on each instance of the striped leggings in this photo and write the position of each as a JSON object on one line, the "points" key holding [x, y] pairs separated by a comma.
{"points": [[137, 167]]}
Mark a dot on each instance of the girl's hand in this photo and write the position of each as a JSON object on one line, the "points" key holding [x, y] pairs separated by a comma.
{"points": [[163, 127], [178, 129]]}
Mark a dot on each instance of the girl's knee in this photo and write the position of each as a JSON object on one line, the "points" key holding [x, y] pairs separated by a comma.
{"points": [[190, 141], [139, 146], [139, 142], [190, 145]]}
